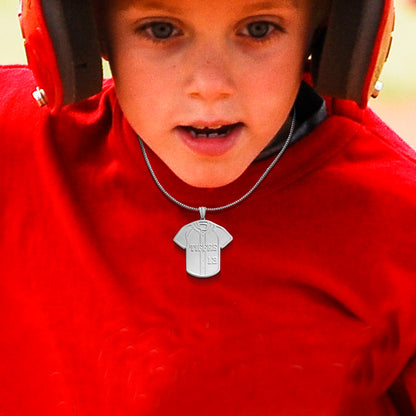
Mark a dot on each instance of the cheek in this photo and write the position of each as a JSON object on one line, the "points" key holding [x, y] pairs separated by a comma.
{"points": [[271, 92], [273, 87], [138, 78], [144, 89], [276, 74]]}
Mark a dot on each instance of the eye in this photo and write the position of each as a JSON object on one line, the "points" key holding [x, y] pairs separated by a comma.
{"points": [[259, 29], [161, 30], [158, 31]]}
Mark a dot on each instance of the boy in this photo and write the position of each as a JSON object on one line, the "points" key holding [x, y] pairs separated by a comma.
{"points": [[290, 288]]}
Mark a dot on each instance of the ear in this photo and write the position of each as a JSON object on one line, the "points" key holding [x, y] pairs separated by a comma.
{"points": [[349, 55], [62, 48]]}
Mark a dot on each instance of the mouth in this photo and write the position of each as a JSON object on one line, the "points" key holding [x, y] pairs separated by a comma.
{"points": [[212, 132], [213, 139]]}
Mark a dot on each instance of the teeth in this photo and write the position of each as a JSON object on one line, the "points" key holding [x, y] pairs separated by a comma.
{"points": [[205, 127], [220, 130], [199, 135]]}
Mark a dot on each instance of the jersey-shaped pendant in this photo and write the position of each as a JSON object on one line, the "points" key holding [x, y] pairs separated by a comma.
{"points": [[203, 241]]}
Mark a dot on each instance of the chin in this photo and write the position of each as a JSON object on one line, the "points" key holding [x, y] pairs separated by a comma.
{"points": [[211, 178], [207, 184]]}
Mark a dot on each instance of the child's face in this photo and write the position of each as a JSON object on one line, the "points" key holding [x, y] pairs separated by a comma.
{"points": [[184, 66]]}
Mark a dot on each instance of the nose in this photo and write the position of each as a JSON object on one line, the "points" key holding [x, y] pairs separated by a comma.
{"points": [[209, 74]]}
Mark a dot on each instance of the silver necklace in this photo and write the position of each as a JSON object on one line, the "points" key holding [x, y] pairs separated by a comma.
{"points": [[203, 239]]}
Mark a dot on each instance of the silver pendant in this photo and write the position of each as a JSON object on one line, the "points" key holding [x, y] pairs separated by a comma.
{"points": [[203, 241]]}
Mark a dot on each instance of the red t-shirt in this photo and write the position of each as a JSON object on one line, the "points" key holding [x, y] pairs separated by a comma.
{"points": [[313, 312]]}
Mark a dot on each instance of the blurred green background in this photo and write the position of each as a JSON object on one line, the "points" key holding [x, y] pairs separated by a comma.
{"points": [[396, 104]]}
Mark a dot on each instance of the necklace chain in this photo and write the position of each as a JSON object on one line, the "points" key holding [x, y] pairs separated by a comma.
{"points": [[231, 204]]}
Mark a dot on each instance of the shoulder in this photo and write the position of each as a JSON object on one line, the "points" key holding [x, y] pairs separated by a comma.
{"points": [[374, 146], [366, 168], [15, 76], [18, 108], [18, 112], [376, 132], [365, 184], [16, 87], [373, 174], [25, 128]]}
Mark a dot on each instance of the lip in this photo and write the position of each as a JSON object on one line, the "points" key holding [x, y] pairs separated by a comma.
{"points": [[210, 146]]}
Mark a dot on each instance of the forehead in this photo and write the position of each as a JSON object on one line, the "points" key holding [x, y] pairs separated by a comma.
{"points": [[178, 5]]}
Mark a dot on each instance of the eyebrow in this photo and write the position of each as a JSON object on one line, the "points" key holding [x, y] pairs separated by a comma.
{"points": [[156, 5], [268, 5]]}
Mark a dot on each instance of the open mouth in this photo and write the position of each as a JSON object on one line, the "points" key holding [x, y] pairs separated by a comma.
{"points": [[214, 139], [211, 132]]}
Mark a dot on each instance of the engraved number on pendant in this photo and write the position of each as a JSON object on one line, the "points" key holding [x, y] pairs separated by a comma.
{"points": [[212, 260]]}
